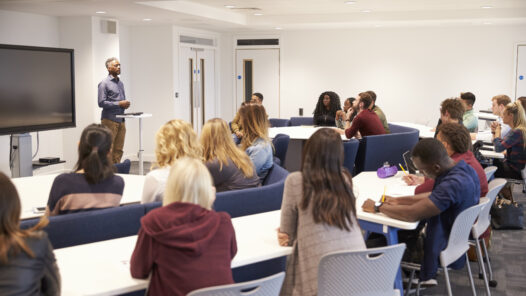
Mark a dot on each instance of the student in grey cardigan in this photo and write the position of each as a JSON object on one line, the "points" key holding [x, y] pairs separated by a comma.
{"points": [[318, 213]]}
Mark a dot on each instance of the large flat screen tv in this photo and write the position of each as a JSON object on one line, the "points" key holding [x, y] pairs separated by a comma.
{"points": [[37, 90]]}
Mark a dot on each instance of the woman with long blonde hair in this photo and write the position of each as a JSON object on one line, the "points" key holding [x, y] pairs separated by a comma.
{"points": [[185, 245], [230, 167], [27, 262], [256, 142], [175, 139]]}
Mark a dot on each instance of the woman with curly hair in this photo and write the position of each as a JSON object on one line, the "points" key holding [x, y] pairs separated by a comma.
{"points": [[174, 140], [326, 108]]}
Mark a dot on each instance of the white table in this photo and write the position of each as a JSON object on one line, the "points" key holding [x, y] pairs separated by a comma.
{"points": [[34, 191], [103, 268], [298, 135], [486, 116], [141, 150]]}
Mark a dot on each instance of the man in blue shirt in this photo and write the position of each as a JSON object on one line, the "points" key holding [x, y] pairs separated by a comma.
{"points": [[112, 100], [456, 188]]}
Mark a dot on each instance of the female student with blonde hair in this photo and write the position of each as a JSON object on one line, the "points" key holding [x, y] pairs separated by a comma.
{"points": [[175, 139], [256, 142], [185, 245], [318, 213], [27, 262], [230, 167]]}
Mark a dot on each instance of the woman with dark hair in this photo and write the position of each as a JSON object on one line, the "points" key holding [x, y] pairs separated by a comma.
{"points": [[348, 111], [326, 108], [27, 262], [318, 213], [92, 185]]}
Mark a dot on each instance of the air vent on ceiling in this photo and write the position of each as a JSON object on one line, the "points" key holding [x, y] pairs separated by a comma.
{"points": [[108, 27], [196, 40], [257, 42]]}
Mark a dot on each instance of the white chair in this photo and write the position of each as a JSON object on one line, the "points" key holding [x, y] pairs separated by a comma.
{"points": [[457, 246], [366, 272], [480, 227], [268, 286], [490, 171]]}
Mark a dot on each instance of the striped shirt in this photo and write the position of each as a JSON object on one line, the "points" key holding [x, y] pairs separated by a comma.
{"points": [[71, 193], [513, 143]]}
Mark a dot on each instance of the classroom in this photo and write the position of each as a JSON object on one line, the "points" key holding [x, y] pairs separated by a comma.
{"points": [[412, 54]]}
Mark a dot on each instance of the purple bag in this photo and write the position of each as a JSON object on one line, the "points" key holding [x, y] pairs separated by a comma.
{"points": [[386, 171]]}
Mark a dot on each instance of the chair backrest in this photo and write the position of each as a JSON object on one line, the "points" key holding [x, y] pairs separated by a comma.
{"points": [[366, 272], [375, 150], [397, 129], [276, 174], [458, 242], [268, 286], [350, 149], [123, 167], [483, 220], [151, 206], [279, 122], [489, 171], [281, 144], [297, 121]]}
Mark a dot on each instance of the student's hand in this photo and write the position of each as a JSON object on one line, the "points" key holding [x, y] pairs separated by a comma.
{"points": [[124, 104], [339, 131], [283, 238], [368, 206], [350, 112], [494, 125], [413, 179], [339, 114], [239, 134]]}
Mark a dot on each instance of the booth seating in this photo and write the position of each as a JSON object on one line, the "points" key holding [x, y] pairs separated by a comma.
{"points": [[279, 122], [297, 121], [375, 150], [350, 149], [281, 144], [123, 167]]}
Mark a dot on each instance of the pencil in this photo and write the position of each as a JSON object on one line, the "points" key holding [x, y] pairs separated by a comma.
{"points": [[403, 169], [383, 196]]}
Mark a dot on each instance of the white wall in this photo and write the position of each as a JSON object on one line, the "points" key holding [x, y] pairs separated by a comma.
{"points": [[35, 30], [411, 69]]}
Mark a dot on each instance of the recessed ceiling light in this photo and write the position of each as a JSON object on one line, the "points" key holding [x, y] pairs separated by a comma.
{"points": [[349, 2], [147, 19], [258, 14], [487, 23], [230, 6], [278, 28], [100, 12], [366, 10], [486, 6]]}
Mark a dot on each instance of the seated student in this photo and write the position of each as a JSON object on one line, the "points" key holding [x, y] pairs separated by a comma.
{"points": [[451, 110], [523, 102], [175, 139], [27, 262], [92, 185], [366, 123], [514, 143], [318, 213], [498, 105], [456, 189], [256, 142], [456, 139], [230, 167], [236, 127], [185, 245], [348, 107], [469, 119], [379, 112], [326, 108]]}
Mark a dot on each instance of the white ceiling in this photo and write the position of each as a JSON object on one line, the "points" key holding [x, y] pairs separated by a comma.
{"points": [[285, 14]]}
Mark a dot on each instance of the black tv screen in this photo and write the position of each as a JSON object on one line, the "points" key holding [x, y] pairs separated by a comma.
{"points": [[37, 90]]}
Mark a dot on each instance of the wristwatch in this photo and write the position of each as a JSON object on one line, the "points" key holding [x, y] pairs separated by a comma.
{"points": [[377, 206]]}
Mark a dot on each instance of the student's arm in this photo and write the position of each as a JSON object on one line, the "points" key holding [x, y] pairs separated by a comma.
{"points": [[289, 211], [406, 200], [141, 262], [353, 129], [149, 189], [103, 98], [416, 211], [511, 139]]}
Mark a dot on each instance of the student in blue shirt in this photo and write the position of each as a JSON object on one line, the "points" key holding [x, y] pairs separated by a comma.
{"points": [[469, 119], [456, 188]]}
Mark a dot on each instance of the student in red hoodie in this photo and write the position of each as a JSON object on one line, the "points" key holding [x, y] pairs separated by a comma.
{"points": [[184, 244]]}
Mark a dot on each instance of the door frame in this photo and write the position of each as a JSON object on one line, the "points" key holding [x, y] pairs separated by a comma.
{"points": [[516, 67]]}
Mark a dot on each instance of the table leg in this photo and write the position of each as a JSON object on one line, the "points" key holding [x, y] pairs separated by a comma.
{"points": [[141, 164]]}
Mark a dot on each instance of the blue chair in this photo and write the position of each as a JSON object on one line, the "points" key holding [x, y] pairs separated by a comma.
{"points": [[281, 144], [375, 150], [91, 226], [254, 200], [279, 122], [350, 149], [152, 205], [297, 121], [123, 167]]}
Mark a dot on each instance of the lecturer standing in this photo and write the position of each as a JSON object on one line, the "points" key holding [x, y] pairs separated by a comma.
{"points": [[112, 100]]}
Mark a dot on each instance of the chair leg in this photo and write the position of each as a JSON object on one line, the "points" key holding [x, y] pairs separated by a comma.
{"points": [[479, 257], [448, 285], [471, 282], [492, 282], [411, 277], [418, 288]]}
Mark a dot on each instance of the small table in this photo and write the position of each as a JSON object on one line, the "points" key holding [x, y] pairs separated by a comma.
{"points": [[139, 154]]}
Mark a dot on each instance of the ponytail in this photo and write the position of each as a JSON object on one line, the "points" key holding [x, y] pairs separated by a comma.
{"points": [[94, 147]]}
